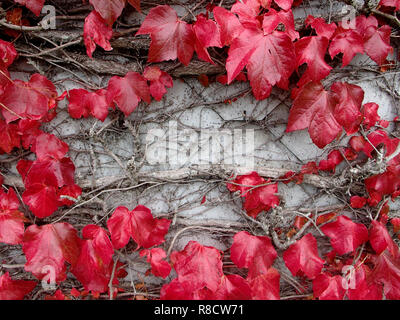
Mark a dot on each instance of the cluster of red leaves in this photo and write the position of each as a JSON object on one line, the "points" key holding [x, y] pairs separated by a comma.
{"points": [[48, 248], [373, 275], [125, 93], [259, 194]]}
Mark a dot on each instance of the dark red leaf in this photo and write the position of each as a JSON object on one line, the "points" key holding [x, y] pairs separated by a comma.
{"points": [[159, 80], [34, 5], [109, 10]]}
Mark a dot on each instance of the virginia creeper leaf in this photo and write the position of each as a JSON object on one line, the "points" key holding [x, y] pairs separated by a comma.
{"points": [[139, 224], [96, 32], [14, 289]]}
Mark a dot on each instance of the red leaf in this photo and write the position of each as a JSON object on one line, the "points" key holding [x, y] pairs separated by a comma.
{"points": [[255, 253], [109, 10], [273, 18], [128, 91], [42, 200], [94, 265], [377, 43], [171, 38], [158, 81], [58, 296], [56, 173], [257, 199], [396, 224], [381, 240], [334, 159], [49, 147], [370, 113], [159, 267], [139, 224], [314, 109], [270, 60], [9, 137], [347, 112], [72, 191], [14, 289], [229, 25], [387, 272], [360, 287], [48, 247], [34, 5], [311, 50], [303, 256], [345, 235], [266, 286], [83, 103], [7, 53], [207, 35], [346, 41], [96, 32], [232, 287], [391, 3], [175, 291], [357, 202], [28, 100], [326, 287], [11, 219], [198, 266], [321, 27], [284, 4]]}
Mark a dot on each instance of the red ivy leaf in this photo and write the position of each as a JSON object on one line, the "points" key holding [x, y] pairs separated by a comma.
{"points": [[198, 266], [94, 265], [387, 272], [128, 91], [9, 137], [207, 35], [229, 25], [314, 109], [320, 26], [232, 287], [266, 286], [34, 5], [303, 256], [273, 18], [347, 111], [255, 253], [171, 38], [96, 32], [326, 287], [48, 248], [139, 224], [49, 147], [346, 41], [14, 289], [345, 235], [158, 81], [377, 43], [357, 202], [7, 53], [311, 50], [11, 219], [83, 103], [270, 60], [156, 256], [381, 240], [391, 3], [109, 10], [28, 100]]}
